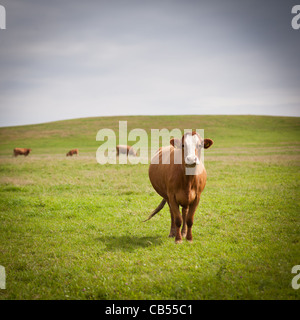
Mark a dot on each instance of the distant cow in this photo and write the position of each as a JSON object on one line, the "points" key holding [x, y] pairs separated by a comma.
{"points": [[125, 150], [21, 151], [71, 152], [170, 180]]}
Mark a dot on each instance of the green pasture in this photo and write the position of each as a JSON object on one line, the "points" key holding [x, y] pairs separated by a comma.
{"points": [[71, 228]]}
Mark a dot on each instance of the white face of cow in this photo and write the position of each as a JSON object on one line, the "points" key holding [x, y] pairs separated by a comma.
{"points": [[192, 145]]}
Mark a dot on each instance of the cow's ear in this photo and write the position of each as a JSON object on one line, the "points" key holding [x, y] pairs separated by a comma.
{"points": [[207, 143], [176, 143]]}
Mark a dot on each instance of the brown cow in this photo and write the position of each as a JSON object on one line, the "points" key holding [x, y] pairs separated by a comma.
{"points": [[125, 149], [171, 181], [21, 151], [71, 152]]}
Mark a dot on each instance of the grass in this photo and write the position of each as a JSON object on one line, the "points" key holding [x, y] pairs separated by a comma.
{"points": [[71, 228]]}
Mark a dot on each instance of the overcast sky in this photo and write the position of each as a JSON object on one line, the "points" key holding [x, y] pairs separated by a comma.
{"points": [[64, 59]]}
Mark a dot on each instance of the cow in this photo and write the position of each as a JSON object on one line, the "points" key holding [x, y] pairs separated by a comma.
{"points": [[126, 150], [170, 180], [21, 151], [71, 152]]}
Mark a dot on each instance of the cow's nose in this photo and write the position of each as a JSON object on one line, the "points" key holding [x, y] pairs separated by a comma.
{"points": [[191, 160]]}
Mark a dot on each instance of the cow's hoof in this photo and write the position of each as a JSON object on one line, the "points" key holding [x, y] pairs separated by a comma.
{"points": [[190, 241], [172, 234], [178, 241]]}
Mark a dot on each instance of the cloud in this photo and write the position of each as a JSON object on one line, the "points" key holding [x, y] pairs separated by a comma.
{"points": [[76, 59]]}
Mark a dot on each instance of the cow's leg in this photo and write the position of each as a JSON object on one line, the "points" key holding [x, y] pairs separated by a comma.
{"points": [[190, 219], [184, 214], [177, 219], [173, 227]]}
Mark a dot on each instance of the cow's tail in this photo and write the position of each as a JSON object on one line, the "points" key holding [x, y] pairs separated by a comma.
{"points": [[160, 206]]}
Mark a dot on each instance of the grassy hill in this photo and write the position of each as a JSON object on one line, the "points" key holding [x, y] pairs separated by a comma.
{"points": [[71, 228], [227, 131]]}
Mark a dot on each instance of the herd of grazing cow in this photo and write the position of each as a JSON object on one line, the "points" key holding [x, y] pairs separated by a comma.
{"points": [[119, 149], [170, 180], [25, 152]]}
